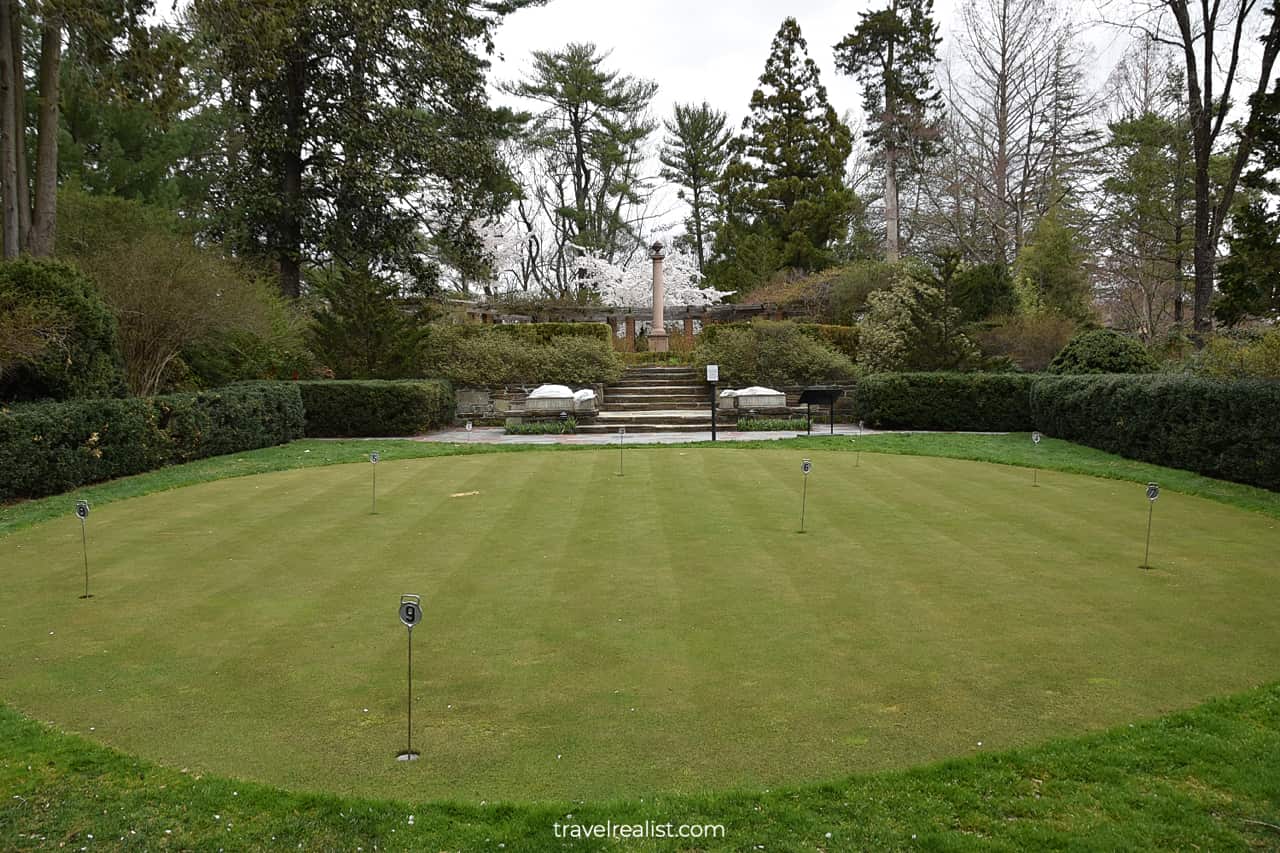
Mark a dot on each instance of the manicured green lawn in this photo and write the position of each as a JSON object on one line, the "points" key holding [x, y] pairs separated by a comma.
{"points": [[591, 637]]}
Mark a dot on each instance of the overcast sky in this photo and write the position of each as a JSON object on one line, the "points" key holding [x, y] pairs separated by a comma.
{"points": [[715, 50]]}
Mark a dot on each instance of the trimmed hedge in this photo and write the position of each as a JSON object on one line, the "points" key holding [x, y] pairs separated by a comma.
{"points": [[47, 448], [995, 402], [1229, 430], [842, 339], [374, 407], [1102, 351], [542, 333]]}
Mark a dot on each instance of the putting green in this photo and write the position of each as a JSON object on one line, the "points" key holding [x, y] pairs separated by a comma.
{"points": [[589, 636]]}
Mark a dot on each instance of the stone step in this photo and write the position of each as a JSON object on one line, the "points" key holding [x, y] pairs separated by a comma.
{"points": [[648, 393], [658, 405], [642, 429], [654, 416], [660, 386]]}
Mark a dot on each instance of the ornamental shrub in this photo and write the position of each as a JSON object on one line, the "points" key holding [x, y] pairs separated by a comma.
{"points": [[1102, 351], [46, 448], [770, 353], [997, 402], [478, 356], [81, 355], [373, 407]]}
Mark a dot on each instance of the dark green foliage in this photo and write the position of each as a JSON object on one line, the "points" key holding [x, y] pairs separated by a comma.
{"points": [[526, 354], [544, 333], [772, 354], [983, 291], [785, 183], [568, 426], [85, 360], [1250, 276], [1250, 282], [1221, 429], [771, 424], [364, 332], [354, 408], [1102, 351], [998, 402], [842, 339], [854, 283], [47, 448]]}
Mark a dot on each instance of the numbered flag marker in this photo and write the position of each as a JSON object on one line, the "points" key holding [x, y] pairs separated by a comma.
{"points": [[1153, 492], [1035, 472], [622, 434], [1035, 437], [374, 457], [373, 504], [82, 513], [470, 426], [410, 615], [805, 467]]}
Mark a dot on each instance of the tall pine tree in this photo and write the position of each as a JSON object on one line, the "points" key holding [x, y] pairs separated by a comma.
{"points": [[893, 52], [786, 199], [693, 155]]}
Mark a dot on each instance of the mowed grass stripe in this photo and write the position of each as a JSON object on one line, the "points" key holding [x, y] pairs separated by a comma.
{"points": [[932, 605]]}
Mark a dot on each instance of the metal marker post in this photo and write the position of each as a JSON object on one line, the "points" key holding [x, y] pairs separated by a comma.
{"points": [[82, 512], [373, 458], [469, 428], [806, 466], [1153, 492], [857, 461], [1035, 471], [713, 376], [410, 615], [622, 434]]}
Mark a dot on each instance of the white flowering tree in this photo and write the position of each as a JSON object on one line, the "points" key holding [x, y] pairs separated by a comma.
{"points": [[631, 286]]}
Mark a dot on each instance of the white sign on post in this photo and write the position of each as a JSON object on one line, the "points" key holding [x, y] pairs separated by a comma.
{"points": [[1035, 437], [713, 373], [806, 466]]}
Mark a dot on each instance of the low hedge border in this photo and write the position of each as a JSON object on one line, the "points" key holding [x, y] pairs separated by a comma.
{"points": [[350, 408], [1229, 430], [973, 402], [1221, 429], [47, 448]]}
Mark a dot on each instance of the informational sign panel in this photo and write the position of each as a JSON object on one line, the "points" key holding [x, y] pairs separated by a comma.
{"points": [[713, 373]]}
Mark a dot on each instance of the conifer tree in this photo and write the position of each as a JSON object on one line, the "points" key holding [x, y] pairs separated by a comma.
{"points": [[694, 155], [892, 52], [785, 182]]}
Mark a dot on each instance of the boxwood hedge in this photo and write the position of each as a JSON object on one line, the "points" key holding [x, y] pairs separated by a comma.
{"points": [[359, 407], [46, 448], [980, 402], [1229, 430]]}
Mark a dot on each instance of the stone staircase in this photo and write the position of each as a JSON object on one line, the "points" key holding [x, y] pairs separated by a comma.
{"points": [[654, 399]]}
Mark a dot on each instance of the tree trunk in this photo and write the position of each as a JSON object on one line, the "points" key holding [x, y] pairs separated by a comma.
{"points": [[20, 128], [890, 205], [290, 248], [44, 219], [8, 135]]}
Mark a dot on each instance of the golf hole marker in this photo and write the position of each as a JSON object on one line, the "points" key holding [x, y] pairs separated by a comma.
{"points": [[373, 460], [622, 434], [82, 513], [805, 467], [1035, 472], [469, 427], [1153, 492], [410, 614]]}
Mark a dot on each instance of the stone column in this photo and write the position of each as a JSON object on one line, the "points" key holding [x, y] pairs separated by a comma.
{"points": [[658, 334], [631, 333], [688, 330]]}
